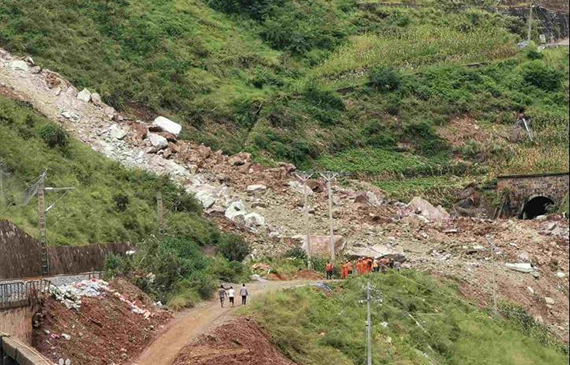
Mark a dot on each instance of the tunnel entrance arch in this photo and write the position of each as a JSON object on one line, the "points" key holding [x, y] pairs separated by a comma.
{"points": [[535, 206]]}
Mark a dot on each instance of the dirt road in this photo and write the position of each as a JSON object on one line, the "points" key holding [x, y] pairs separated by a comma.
{"points": [[190, 323]]}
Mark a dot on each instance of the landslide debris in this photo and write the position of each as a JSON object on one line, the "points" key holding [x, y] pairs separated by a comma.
{"points": [[238, 342], [107, 326]]}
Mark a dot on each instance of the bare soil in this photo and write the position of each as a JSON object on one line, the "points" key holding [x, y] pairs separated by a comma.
{"points": [[241, 341], [103, 331]]}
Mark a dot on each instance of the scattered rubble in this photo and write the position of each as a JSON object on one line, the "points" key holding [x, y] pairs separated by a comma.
{"points": [[107, 328]]}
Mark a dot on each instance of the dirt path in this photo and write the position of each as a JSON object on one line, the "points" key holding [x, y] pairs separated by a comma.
{"points": [[190, 323]]}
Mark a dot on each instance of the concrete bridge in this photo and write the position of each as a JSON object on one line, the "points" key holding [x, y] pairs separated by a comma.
{"points": [[528, 196]]}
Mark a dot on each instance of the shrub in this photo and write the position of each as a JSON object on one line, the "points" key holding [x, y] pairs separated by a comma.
{"points": [[54, 136], [384, 78], [537, 73], [297, 253], [233, 248]]}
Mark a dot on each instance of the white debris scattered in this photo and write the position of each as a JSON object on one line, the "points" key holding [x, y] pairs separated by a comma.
{"points": [[66, 336], [70, 294]]}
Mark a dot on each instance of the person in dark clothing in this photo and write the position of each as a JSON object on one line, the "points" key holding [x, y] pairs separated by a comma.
{"points": [[222, 293], [244, 294]]}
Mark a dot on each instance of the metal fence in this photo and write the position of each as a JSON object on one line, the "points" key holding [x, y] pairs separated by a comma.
{"points": [[22, 293]]}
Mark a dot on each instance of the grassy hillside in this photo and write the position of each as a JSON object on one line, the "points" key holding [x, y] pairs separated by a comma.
{"points": [[109, 204], [325, 84], [417, 321]]}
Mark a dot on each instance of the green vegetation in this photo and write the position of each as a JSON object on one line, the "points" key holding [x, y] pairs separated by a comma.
{"points": [[109, 204], [323, 84], [418, 321], [112, 204], [175, 271]]}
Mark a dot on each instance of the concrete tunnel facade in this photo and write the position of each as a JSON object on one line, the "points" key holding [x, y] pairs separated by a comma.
{"points": [[528, 196]]}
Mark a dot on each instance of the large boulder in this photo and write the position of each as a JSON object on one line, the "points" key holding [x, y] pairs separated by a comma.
{"points": [[235, 209], [96, 99], [320, 245], [378, 251], [84, 95], [254, 220], [256, 188], [158, 141], [427, 210], [19, 65], [117, 132], [166, 125], [206, 199]]}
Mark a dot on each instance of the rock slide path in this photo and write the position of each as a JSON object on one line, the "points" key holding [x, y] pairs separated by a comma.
{"points": [[191, 323]]}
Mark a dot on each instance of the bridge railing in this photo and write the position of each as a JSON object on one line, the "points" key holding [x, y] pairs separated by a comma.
{"points": [[22, 293]]}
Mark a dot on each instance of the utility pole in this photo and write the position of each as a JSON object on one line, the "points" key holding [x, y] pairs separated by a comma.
{"points": [[530, 22], [304, 176], [494, 275], [368, 327], [329, 177], [160, 214], [41, 190], [42, 223]]}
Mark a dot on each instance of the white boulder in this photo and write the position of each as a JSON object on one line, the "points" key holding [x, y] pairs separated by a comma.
{"points": [[235, 210], [166, 125], [96, 99], [158, 141], [520, 267], [116, 132], [84, 95], [19, 65], [254, 220], [206, 199], [427, 210], [256, 188]]}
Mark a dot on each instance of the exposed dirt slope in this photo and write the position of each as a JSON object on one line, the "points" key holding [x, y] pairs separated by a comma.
{"points": [[103, 331], [241, 341]]}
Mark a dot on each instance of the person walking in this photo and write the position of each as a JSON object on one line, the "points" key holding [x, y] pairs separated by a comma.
{"points": [[231, 295], [222, 294], [329, 270], [244, 293]]}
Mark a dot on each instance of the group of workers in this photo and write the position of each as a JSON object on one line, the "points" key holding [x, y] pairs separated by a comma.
{"points": [[364, 265], [230, 294]]}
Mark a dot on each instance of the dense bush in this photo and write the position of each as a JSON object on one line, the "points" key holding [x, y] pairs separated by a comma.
{"points": [[537, 73], [53, 136], [233, 248], [384, 78]]}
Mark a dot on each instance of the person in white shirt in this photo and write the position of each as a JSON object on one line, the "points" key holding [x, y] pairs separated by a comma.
{"points": [[231, 295], [244, 293]]}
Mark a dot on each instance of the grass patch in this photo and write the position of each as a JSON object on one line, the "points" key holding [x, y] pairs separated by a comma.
{"points": [[311, 327]]}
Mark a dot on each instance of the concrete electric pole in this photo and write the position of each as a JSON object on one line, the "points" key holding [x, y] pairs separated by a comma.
{"points": [[494, 274], [160, 214], [530, 22], [329, 177], [368, 327], [41, 190], [303, 177]]}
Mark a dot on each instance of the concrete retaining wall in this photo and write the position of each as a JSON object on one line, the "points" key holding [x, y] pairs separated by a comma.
{"points": [[15, 352], [18, 322], [20, 255]]}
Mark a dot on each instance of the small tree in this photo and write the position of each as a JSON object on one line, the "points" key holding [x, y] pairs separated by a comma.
{"points": [[384, 78], [54, 136], [233, 248]]}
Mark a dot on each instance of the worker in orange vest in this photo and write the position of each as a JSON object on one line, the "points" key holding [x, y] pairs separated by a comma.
{"points": [[349, 268], [329, 269]]}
